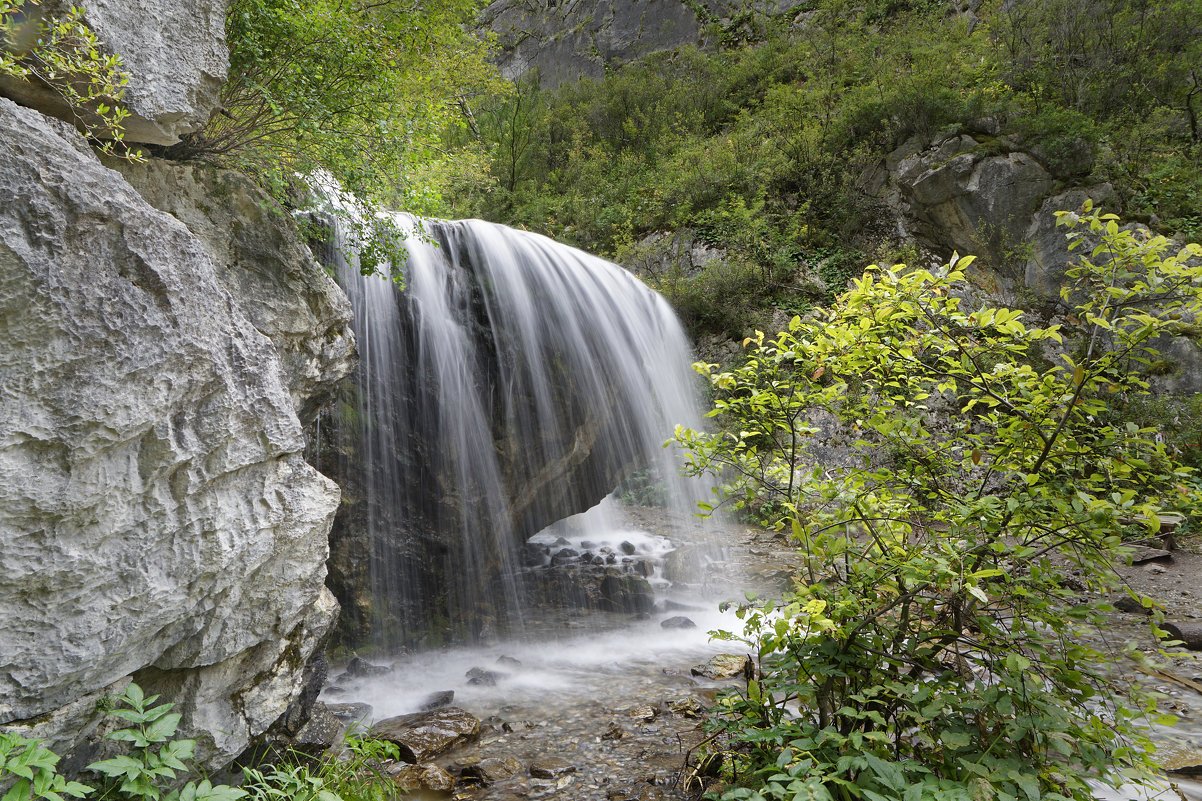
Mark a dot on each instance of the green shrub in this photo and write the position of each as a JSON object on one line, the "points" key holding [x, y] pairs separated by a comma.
{"points": [[63, 54], [931, 649]]}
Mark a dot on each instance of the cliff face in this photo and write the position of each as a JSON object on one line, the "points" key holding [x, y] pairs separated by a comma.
{"points": [[161, 336]]}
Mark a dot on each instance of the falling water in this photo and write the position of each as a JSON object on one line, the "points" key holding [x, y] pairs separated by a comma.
{"points": [[513, 381]]}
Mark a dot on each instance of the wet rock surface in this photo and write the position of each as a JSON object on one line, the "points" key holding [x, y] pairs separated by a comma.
{"points": [[424, 735]]}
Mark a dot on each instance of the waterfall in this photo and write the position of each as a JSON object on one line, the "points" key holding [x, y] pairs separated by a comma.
{"points": [[512, 382]]}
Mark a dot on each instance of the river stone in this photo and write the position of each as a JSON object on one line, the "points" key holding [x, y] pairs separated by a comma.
{"points": [[688, 707], [176, 56], [678, 622], [156, 513], [551, 767], [422, 736], [424, 777], [723, 666], [626, 593], [493, 769], [438, 700], [1188, 631], [351, 713]]}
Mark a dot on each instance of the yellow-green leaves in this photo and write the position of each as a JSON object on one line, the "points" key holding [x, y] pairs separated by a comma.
{"points": [[62, 52]]}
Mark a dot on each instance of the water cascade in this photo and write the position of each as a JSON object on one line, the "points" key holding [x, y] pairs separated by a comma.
{"points": [[514, 381]]}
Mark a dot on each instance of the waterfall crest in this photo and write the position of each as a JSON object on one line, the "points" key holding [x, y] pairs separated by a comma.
{"points": [[514, 381]]}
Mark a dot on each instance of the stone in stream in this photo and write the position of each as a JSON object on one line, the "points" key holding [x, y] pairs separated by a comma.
{"points": [[551, 767], [424, 735], [492, 769], [643, 712], [614, 732], [350, 713], [688, 707], [424, 777], [678, 622], [723, 666], [627, 547], [1189, 632], [625, 593], [360, 668], [438, 700], [1125, 603], [484, 678], [509, 660]]}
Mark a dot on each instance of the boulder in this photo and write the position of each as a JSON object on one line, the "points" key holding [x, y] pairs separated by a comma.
{"points": [[424, 777], [968, 198], [723, 666], [1188, 631], [493, 769], [424, 735], [175, 54], [626, 593], [157, 518]]}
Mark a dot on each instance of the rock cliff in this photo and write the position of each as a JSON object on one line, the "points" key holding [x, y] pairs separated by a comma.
{"points": [[157, 518]]}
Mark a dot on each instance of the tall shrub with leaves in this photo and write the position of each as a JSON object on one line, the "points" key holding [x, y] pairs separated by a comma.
{"points": [[62, 53], [931, 649]]}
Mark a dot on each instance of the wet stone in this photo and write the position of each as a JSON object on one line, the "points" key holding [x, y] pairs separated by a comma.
{"points": [[688, 707], [424, 777], [349, 713], [627, 547], [614, 732], [509, 660], [551, 768], [484, 678], [678, 622], [424, 735], [493, 769], [643, 712], [1125, 603], [360, 668], [1189, 632], [722, 666], [438, 700]]}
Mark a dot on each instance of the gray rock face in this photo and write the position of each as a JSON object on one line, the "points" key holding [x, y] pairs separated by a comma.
{"points": [[261, 260], [566, 41], [176, 56], [157, 519], [964, 199]]}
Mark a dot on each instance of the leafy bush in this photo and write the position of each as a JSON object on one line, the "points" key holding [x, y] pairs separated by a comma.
{"points": [[158, 761], [931, 650], [63, 54], [360, 90]]}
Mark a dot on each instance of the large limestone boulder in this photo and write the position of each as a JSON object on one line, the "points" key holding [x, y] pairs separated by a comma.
{"points": [[261, 259], [157, 519], [174, 52], [967, 198]]}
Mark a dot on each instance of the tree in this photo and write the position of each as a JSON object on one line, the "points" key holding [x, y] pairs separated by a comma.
{"points": [[361, 90], [931, 648]]}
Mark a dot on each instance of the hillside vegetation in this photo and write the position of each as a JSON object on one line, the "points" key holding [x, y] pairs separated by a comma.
{"points": [[765, 146]]}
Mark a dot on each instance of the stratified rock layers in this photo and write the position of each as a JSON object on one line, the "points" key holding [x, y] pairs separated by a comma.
{"points": [[156, 514]]}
